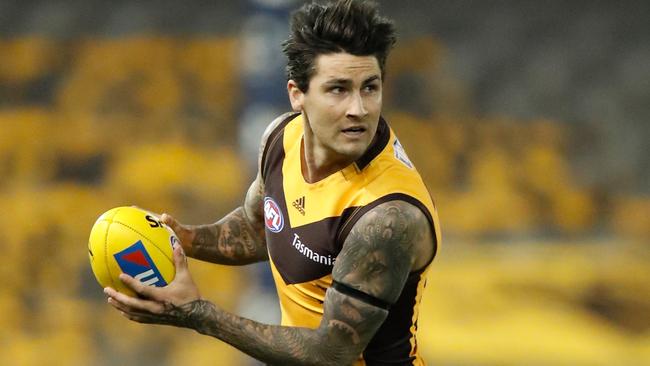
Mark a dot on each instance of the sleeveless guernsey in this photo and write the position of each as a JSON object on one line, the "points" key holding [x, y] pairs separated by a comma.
{"points": [[307, 224]]}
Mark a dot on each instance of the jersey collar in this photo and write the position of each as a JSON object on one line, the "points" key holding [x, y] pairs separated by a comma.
{"points": [[377, 145]]}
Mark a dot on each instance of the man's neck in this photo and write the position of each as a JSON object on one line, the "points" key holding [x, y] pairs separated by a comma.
{"points": [[318, 162]]}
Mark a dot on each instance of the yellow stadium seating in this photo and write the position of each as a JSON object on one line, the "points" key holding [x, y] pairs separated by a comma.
{"points": [[153, 120]]}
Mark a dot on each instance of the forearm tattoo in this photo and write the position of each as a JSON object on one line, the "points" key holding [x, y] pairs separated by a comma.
{"points": [[347, 326], [376, 259], [233, 240]]}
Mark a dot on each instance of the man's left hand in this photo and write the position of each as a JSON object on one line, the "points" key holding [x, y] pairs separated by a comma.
{"points": [[159, 305]]}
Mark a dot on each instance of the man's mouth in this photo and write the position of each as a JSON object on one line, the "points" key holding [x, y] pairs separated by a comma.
{"points": [[357, 130]]}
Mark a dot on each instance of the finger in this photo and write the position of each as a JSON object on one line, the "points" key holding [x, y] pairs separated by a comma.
{"points": [[118, 305], [144, 291], [110, 292], [180, 260], [132, 303], [116, 296], [128, 312], [171, 223], [168, 220], [136, 315]]}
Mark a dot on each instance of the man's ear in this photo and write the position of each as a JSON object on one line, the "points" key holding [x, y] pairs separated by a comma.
{"points": [[296, 96]]}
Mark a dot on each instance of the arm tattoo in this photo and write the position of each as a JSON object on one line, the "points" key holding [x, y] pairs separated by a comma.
{"points": [[376, 259], [232, 241], [379, 252], [239, 237], [346, 328], [236, 239]]}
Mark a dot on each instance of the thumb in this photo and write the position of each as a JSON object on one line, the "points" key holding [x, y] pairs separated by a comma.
{"points": [[168, 220], [180, 260]]}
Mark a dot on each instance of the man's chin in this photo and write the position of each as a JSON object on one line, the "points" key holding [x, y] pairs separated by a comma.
{"points": [[352, 152]]}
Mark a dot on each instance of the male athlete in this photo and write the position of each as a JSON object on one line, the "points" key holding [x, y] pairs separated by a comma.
{"points": [[337, 209]]}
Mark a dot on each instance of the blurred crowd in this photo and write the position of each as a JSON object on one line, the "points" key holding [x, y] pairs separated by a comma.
{"points": [[92, 122]]}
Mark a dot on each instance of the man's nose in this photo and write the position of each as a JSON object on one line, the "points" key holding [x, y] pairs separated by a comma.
{"points": [[357, 108]]}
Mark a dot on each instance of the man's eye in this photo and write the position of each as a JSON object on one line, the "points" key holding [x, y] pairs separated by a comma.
{"points": [[336, 90], [370, 88]]}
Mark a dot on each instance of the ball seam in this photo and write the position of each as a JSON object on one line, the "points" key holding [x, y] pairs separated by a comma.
{"points": [[108, 268]]}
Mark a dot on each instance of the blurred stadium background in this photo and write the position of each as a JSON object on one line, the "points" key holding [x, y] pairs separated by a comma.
{"points": [[528, 120]]}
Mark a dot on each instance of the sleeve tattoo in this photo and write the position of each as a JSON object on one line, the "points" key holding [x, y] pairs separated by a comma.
{"points": [[238, 238], [380, 250], [376, 259], [346, 328]]}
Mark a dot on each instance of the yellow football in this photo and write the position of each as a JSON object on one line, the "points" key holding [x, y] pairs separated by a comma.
{"points": [[132, 241]]}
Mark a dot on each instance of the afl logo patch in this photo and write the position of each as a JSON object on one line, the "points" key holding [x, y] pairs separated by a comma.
{"points": [[273, 216]]}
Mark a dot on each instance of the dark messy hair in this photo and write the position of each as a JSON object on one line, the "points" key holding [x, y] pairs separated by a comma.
{"points": [[351, 26]]}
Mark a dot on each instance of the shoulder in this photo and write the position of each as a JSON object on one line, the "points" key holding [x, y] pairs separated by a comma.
{"points": [[255, 194], [395, 220], [398, 227], [270, 131]]}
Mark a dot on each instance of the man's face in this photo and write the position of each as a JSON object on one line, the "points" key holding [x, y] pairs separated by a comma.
{"points": [[343, 103]]}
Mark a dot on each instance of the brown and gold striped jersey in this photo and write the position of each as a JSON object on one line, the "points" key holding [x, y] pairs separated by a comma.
{"points": [[307, 223]]}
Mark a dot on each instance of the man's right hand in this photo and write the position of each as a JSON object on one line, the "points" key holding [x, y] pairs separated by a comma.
{"points": [[185, 233]]}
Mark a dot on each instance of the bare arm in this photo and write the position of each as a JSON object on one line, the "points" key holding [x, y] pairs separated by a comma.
{"points": [[379, 253], [238, 238]]}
